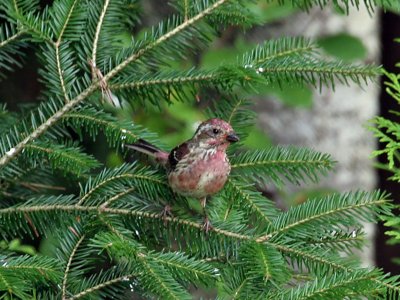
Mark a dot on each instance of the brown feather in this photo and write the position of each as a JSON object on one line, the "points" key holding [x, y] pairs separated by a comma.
{"points": [[177, 154]]}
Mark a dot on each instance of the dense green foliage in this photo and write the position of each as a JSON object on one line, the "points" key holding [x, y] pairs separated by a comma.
{"points": [[104, 233], [388, 133]]}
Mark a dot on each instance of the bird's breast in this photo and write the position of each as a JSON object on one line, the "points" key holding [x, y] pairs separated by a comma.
{"points": [[200, 174]]}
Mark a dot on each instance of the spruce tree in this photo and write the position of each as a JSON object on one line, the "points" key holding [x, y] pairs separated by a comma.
{"points": [[111, 240]]}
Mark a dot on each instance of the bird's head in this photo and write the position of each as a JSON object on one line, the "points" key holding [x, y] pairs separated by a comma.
{"points": [[215, 133]]}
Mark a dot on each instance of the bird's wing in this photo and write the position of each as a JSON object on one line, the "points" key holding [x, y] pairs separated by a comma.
{"points": [[177, 154]]}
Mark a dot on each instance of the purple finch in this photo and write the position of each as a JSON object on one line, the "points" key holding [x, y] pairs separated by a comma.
{"points": [[198, 167]]}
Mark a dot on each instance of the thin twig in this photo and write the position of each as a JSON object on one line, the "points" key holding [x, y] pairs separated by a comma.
{"points": [[286, 53], [250, 201], [126, 175], [101, 285], [186, 9], [60, 73], [98, 29], [136, 85], [64, 284], [115, 198], [42, 186], [11, 38], [57, 48]]}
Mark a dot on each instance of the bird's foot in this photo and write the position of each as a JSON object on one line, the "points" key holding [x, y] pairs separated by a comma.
{"points": [[207, 225], [203, 202], [166, 212]]}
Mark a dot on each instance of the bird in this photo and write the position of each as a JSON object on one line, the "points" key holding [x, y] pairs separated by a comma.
{"points": [[199, 167]]}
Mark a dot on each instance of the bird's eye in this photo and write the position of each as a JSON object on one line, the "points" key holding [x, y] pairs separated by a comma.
{"points": [[215, 131]]}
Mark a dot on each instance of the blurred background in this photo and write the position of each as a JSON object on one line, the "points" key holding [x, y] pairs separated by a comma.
{"points": [[329, 121]]}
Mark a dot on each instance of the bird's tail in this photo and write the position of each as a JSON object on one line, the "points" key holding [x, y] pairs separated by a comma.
{"points": [[151, 150], [144, 147]]}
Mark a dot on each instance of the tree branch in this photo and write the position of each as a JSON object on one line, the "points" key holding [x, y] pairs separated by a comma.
{"points": [[64, 284], [12, 38], [321, 215], [127, 175], [98, 29], [14, 151], [246, 197], [100, 286], [116, 197], [120, 211], [57, 48], [146, 83]]}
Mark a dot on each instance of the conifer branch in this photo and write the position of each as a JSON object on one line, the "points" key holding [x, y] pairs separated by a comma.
{"points": [[11, 38], [92, 120], [100, 122], [305, 254], [34, 24], [253, 248], [163, 38], [294, 164], [6, 283], [156, 277], [346, 284], [68, 159], [319, 70], [119, 211], [57, 49], [98, 29], [68, 266], [238, 290], [11, 42], [16, 6], [157, 82], [58, 42], [324, 163], [348, 203], [356, 238], [60, 71], [249, 198], [110, 226], [14, 151], [101, 286], [394, 288], [39, 269], [116, 197], [19, 274], [235, 108], [345, 242], [36, 185], [279, 48], [115, 178], [176, 265], [289, 52], [186, 9], [281, 247]]}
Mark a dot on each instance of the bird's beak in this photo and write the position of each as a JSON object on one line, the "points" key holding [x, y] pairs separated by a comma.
{"points": [[232, 138]]}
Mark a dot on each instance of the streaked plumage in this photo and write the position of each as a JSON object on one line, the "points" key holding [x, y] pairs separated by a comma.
{"points": [[198, 167]]}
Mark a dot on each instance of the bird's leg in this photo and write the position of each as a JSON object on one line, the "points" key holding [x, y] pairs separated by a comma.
{"points": [[166, 212], [207, 224], [203, 203]]}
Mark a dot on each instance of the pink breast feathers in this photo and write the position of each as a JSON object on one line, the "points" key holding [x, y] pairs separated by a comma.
{"points": [[204, 177]]}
